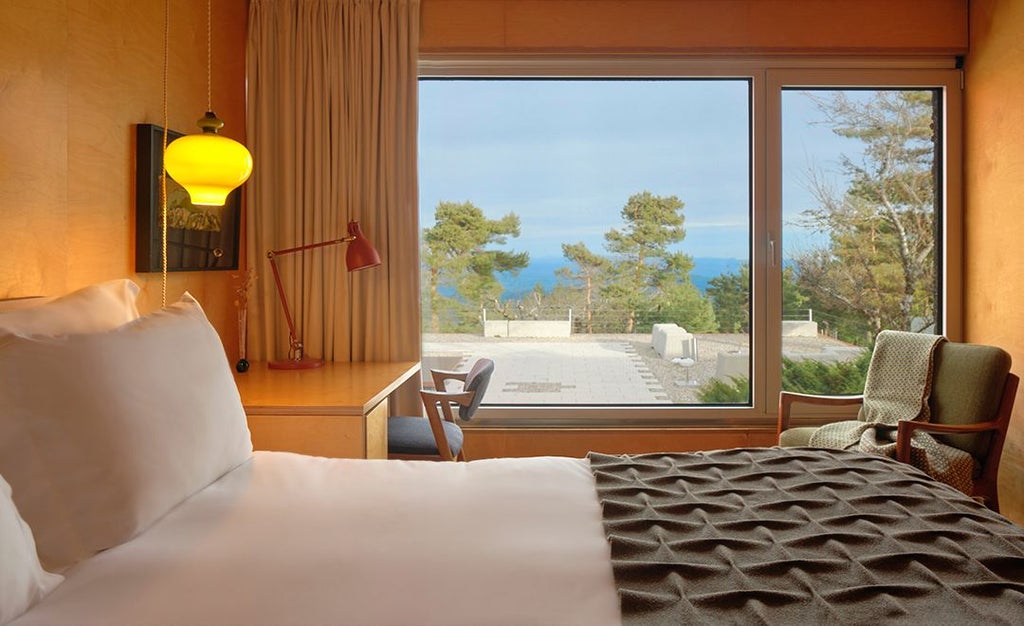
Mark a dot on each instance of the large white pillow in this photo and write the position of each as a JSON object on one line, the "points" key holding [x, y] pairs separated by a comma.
{"points": [[89, 309], [101, 434], [22, 579]]}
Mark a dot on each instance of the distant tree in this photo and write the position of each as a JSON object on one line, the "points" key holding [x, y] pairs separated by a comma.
{"points": [[676, 299], [879, 266], [457, 253], [530, 307], [640, 255], [590, 268], [730, 297]]}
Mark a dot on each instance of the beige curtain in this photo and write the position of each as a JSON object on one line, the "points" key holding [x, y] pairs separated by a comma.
{"points": [[332, 127]]}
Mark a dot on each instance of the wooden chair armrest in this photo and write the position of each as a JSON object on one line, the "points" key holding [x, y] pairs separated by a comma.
{"points": [[444, 399], [905, 431], [788, 398], [439, 376]]}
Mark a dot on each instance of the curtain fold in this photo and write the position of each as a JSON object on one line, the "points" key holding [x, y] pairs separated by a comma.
{"points": [[332, 123]]}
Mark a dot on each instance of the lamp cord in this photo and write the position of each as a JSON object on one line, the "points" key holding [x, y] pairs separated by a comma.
{"points": [[163, 169], [209, 55]]}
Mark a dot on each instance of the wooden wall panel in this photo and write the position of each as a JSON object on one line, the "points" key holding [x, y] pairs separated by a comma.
{"points": [[994, 182], [33, 147], [696, 26], [75, 77]]}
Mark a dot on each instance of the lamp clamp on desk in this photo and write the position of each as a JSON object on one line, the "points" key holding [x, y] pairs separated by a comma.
{"points": [[360, 255]]}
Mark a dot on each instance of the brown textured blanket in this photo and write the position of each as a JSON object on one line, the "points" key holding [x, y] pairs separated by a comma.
{"points": [[802, 536]]}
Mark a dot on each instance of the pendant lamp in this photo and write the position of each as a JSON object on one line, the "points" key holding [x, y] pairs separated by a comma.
{"points": [[208, 165]]}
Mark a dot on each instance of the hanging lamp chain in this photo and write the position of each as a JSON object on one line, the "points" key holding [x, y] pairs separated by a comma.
{"points": [[163, 169], [209, 55]]}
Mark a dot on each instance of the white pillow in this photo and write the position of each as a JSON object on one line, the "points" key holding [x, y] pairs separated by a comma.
{"points": [[22, 579], [89, 309], [101, 434]]}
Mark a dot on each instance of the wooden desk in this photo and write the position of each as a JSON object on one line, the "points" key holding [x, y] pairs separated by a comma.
{"points": [[338, 410]]}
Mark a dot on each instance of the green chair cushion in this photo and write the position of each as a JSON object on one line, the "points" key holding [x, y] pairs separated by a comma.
{"points": [[796, 437], [967, 387]]}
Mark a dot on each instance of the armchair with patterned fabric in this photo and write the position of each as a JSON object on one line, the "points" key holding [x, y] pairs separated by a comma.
{"points": [[970, 404]]}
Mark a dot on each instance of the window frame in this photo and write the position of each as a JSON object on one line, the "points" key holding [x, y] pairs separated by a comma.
{"points": [[767, 77]]}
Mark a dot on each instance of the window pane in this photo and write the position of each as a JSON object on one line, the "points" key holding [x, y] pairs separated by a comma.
{"points": [[860, 213], [564, 219]]}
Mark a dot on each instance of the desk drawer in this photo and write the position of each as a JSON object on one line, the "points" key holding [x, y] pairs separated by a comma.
{"points": [[317, 435]]}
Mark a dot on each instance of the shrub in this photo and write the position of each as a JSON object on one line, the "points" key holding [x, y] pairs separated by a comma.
{"points": [[720, 392], [803, 376]]}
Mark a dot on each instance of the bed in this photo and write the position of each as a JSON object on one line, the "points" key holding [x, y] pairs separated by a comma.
{"points": [[137, 502]]}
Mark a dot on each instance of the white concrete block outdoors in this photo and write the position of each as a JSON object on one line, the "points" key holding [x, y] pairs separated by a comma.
{"points": [[671, 342], [733, 365], [799, 328]]}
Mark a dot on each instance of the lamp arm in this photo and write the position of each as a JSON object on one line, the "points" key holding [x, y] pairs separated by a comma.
{"points": [[294, 345], [361, 255], [310, 246]]}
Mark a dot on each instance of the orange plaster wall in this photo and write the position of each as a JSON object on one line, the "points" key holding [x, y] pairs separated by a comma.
{"points": [[75, 77], [696, 26], [994, 182]]}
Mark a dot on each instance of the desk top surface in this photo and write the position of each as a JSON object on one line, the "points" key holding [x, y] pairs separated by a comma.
{"points": [[335, 388]]}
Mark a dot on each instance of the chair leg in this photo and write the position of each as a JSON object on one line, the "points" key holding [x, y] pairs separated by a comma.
{"points": [[987, 494], [992, 501]]}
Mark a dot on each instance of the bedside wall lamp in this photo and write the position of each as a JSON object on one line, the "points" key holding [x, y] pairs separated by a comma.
{"points": [[360, 255]]}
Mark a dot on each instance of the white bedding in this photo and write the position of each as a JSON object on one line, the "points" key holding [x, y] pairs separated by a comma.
{"points": [[288, 539]]}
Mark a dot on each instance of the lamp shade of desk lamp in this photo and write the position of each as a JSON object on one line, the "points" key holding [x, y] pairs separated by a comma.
{"points": [[360, 255]]}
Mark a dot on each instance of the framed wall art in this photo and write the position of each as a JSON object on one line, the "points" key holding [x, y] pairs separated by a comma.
{"points": [[198, 237]]}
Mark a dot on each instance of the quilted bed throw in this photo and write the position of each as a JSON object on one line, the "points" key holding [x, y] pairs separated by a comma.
{"points": [[898, 386], [802, 536]]}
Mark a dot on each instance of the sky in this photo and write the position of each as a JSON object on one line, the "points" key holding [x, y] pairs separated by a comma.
{"points": [[566, 155]]}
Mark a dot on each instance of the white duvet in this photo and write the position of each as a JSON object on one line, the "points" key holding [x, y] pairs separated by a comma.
{"points": [[289, 539]]}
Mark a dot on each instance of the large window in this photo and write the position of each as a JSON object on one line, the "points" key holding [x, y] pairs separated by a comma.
{"points": [[652, 246]]}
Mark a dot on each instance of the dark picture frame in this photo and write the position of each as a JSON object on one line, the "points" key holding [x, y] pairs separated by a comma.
{"points": [[198, 237]]}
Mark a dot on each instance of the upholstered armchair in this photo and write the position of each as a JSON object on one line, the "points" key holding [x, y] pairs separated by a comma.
{"points": [[971, 402]]}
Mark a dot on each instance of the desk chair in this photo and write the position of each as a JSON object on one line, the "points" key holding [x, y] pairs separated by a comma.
{"points": [[437, 437]]}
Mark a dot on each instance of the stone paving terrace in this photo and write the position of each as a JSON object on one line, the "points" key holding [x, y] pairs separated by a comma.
{"points": [[600, 369]]}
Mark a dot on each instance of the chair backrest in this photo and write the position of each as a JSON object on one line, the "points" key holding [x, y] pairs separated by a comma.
{"points": [[477, 380], [967, 388]]}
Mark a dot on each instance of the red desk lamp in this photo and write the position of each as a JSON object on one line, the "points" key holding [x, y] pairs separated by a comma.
{"points": [[360, 255]]}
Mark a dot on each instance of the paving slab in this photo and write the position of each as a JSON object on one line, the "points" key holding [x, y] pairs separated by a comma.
{"points": [[599, 372]]}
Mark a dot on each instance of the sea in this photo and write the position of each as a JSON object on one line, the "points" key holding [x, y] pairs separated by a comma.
{"points": [[541, 271]]}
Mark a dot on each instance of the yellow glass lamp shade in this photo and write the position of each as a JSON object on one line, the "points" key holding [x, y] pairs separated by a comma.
{"points": [[208, 165]]}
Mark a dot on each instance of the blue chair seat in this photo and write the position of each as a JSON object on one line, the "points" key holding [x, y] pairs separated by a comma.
{"points": [[412, 435]]}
